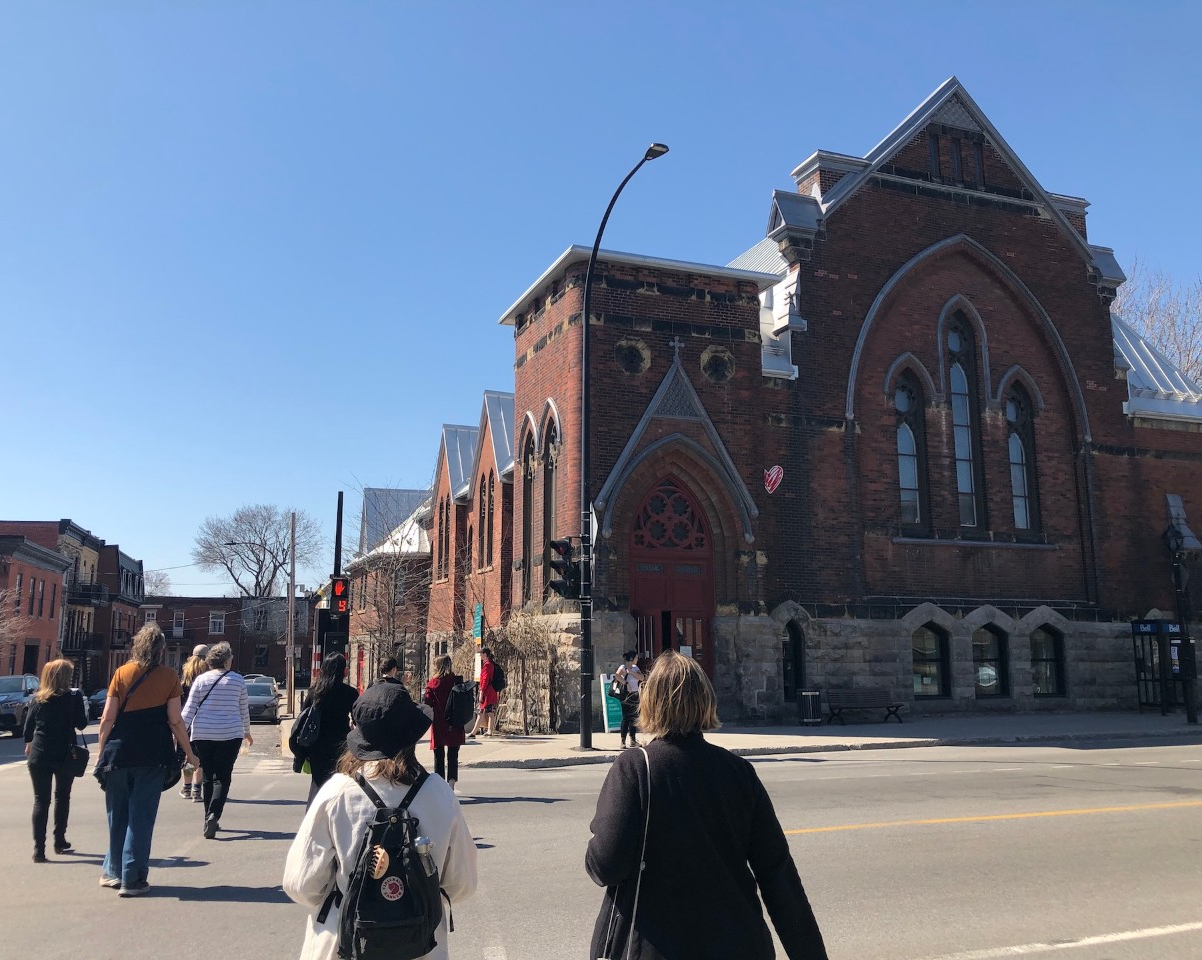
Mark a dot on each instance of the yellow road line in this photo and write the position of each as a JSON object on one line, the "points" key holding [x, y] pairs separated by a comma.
{"points": [[997, 816]]}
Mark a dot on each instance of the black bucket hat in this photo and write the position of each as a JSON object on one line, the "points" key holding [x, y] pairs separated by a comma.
{"points": [[387, 723]]}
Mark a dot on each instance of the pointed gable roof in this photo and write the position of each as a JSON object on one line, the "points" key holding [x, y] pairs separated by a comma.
{"points": [[952, 105], [497, 414], [458, 451], [677, 399]]}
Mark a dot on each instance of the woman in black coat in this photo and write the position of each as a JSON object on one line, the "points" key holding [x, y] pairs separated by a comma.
{"points": [[334, 699], [713, 837], [50, 725]]}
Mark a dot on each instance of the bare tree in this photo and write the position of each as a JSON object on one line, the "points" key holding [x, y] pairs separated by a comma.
{"points": [[12, 621], [157, 582], [251, 547], [390, 580], [527, 644], [1168, 314]]}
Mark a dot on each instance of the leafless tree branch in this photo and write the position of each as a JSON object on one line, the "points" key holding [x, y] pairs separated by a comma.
{"points": [[1167, 313], [251, 547]]}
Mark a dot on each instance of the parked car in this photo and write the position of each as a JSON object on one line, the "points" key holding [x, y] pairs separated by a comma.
{"points": [[262, 701], [16, 693], [96, 703]]}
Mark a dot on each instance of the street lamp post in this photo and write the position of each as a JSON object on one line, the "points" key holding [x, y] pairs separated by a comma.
{"points": [[1174, 540], [586, 500]]}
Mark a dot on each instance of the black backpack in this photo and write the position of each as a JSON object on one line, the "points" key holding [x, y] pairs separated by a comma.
{"points": [[461, 704], [499, 682], [393, 906]]}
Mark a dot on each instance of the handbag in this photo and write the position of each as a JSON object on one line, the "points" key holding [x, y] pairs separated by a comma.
{"points": [[78, 757], [617, 689], [634, 913]]}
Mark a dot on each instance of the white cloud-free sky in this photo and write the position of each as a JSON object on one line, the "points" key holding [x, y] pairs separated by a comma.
{"points": [[257, 252]]}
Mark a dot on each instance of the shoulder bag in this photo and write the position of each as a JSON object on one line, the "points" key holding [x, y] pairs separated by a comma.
{"points": [[107, 760], [634, 913], [77, 753]]}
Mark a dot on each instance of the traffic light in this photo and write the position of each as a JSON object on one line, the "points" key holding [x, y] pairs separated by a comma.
{"points": [[340, 595], [564, 564]]}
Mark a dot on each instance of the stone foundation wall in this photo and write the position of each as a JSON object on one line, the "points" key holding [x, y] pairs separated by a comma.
{"points": [[846, 652]]}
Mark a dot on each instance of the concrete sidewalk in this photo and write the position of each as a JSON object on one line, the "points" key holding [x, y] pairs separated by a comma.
{"points": [[1083, 729]]}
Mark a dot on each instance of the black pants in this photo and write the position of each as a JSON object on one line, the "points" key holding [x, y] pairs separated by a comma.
{"points": [[630, 717], [217, 761], [322, 768], [43, 777], [446, 762]]}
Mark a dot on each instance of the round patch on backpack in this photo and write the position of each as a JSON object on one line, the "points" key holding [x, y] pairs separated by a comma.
{"points": [[392, 888]]}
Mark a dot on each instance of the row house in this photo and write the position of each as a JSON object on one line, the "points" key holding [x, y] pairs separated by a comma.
{"points": [[32, 594], [471, 521], [389, 588], [89, 623], [117, 621], [900, 441], [263, 635], [188, 621]]}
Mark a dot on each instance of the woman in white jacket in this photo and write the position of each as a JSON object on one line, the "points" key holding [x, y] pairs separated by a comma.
{"points": [[387, 728]]}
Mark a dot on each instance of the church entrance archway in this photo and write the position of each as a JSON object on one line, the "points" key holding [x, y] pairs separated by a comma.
{"points": [[672, 575]]}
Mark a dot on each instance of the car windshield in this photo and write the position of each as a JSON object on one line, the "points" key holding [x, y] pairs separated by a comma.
{"points": [[12, 684], [260, 689]]}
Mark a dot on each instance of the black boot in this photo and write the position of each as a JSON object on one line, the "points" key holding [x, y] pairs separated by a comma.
{"points": [[39, 854]]}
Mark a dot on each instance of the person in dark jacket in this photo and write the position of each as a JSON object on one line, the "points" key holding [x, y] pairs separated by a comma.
{"points": [[445, 740], [334, 699], [711, 820], [50, 725]]}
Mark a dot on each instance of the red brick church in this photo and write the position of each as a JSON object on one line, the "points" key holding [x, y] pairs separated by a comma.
{"points": [[901, 441]]}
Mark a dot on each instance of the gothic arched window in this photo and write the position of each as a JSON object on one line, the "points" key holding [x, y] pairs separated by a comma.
{"points": [[910, 407], [528, 467], [487, 532], [480, 523], [962, 378], [550, 519], [1020, 441]]}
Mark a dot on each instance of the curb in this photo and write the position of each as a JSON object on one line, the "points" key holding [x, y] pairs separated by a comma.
{"points": [[537, 763]]}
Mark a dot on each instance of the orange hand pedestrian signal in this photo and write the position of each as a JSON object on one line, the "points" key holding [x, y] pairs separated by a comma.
{"points": [[340, 593]]}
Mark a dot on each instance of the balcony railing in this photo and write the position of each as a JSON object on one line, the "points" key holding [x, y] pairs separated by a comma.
{"points": [[82, 642], [94, 594]]}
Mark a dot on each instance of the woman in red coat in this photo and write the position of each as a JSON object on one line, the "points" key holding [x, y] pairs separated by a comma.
{"points": [[445, 740], [488, 695]]}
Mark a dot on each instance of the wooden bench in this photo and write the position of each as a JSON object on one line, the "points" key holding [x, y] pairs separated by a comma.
{"points": [[867, 698]]}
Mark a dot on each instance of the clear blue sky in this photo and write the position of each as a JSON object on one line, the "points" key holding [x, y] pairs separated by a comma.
{"points": [[227, 228]]}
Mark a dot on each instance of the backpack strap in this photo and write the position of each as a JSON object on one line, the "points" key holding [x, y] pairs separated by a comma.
{"points": [[375, 797]]}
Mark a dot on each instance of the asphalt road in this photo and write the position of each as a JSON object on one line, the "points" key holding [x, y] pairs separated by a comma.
{"points": [[924, 854]]}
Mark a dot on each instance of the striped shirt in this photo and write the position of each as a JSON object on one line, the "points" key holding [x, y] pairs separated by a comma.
{"points": [[224, 715]]}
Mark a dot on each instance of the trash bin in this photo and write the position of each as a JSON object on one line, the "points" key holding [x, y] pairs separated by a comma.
{"points": [[809, 707]]}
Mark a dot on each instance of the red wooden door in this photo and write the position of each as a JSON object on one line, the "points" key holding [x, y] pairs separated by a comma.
{"points": [[671, 575]]}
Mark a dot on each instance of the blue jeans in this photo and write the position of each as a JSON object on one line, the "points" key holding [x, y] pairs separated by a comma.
{"points": [[131, 797]]}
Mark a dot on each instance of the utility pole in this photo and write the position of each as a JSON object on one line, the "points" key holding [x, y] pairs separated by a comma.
{"points": [[290, 647]]}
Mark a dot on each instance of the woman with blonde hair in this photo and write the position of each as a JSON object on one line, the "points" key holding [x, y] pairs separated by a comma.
{"points": [[445, 739], [141, 716], [50, 725], [195, 665], [682, 807]]}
